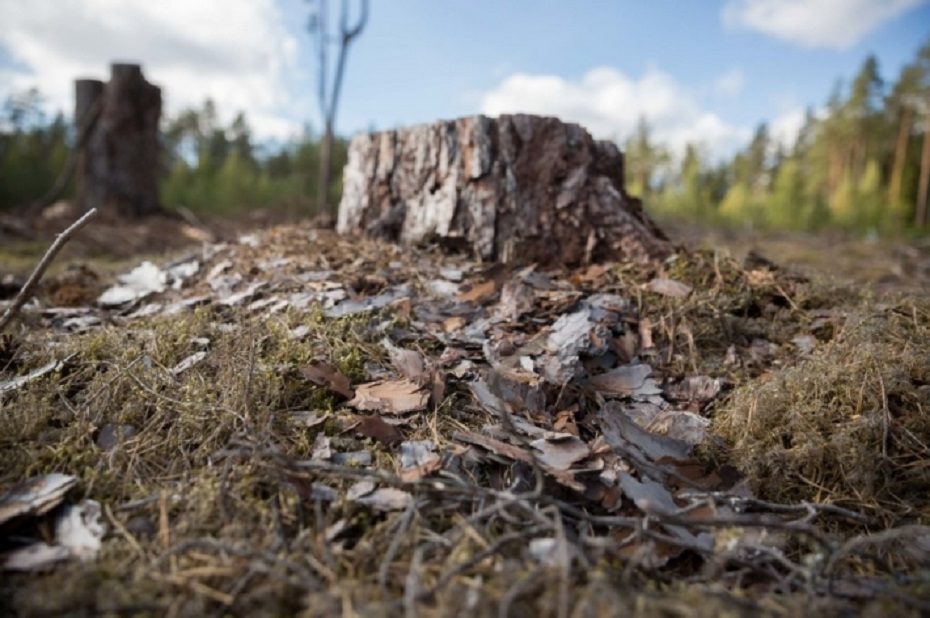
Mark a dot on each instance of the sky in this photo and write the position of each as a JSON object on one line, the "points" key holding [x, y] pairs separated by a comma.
{"points": [[706, 72]]}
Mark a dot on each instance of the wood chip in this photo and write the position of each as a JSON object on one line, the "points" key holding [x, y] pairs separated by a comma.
{"points": [[35, 496], [375, 428], [478, 292], [669, 287], [452, 324], [560, 453], [409, 363], [626, 380], [390, 397], [517, 454], [327, 376], [387, 499]]}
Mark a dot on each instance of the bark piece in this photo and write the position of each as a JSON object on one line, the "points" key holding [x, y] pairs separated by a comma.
{"points": [[377, 429], [626, 381], [35, 496], [669, 287], [561, 452], [503, 449], [408, 362], [327, 376], [387, 499], [513, 188], [390, 397]]}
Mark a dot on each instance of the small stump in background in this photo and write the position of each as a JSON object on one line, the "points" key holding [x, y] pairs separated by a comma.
{"points": [[118, 167]]}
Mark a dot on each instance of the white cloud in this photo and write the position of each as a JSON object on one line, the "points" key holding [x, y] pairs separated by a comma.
{"points": [[730, 83], [609, 104], [838, 24], [236, 51], [785, 127]]}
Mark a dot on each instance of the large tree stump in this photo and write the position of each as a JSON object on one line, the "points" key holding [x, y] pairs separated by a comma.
{"points": [[118, 168], [519, 187]]}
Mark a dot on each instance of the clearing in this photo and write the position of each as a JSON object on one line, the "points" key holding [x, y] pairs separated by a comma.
{"points": [[290, 421]]}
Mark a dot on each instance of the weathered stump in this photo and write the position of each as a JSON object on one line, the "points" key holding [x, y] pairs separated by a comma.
{"points": [[88, 95], [514, 188], [118, 168]]}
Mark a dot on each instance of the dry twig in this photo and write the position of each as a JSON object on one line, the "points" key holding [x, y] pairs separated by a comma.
{"points": [[36, 275]]}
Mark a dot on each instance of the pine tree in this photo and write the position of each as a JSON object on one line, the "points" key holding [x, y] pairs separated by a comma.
{"points": [[901, 104], [923, 100], [785, 206], [644, 159]]}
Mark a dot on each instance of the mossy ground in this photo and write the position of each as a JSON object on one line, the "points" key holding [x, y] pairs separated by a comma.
{"points": [[848, 425], [206, 520]]}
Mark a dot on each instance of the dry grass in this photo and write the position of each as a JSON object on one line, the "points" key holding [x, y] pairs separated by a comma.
{"points": [[211, 504], [851, 424]]}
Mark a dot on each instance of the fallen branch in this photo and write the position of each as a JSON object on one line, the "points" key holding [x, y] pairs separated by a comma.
{"points": [[26, 291]]}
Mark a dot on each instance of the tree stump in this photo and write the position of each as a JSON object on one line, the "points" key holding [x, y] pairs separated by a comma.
{"points": [[118, 168], [515, 188]]}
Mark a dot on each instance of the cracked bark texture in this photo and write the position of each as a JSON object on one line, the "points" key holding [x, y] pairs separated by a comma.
{"points": [[514, 188]]}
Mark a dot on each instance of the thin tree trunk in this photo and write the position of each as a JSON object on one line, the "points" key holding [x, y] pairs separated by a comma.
{"points": [[329, 104], [326, 155], [326, 151], [920, 219], [900, 156]]}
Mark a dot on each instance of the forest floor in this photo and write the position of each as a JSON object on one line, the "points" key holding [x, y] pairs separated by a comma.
{"points": [[883, 264], [109, 247], [287, 421]]}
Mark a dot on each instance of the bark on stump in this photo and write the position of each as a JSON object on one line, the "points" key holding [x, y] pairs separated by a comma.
{"points": [[514, 188], [117, 171]]}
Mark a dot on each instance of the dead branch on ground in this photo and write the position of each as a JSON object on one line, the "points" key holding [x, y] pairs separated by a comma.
{"points": [[26, 291]]}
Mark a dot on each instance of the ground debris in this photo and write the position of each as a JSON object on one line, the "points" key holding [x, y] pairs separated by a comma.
{"points": [[323, 374], [77, 532], [35, 374], [35, 496], [408, 363], [626, 381], [376, 428], [390, 397], [283, 422], [142, 281], [669, 287]]}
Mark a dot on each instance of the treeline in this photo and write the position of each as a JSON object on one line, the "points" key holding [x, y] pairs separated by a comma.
{"points": [[208, 167], [862, 163], [211, 168], [33, 149]]}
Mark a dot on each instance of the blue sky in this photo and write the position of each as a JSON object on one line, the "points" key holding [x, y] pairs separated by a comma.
{"points": [[701, 71]]}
